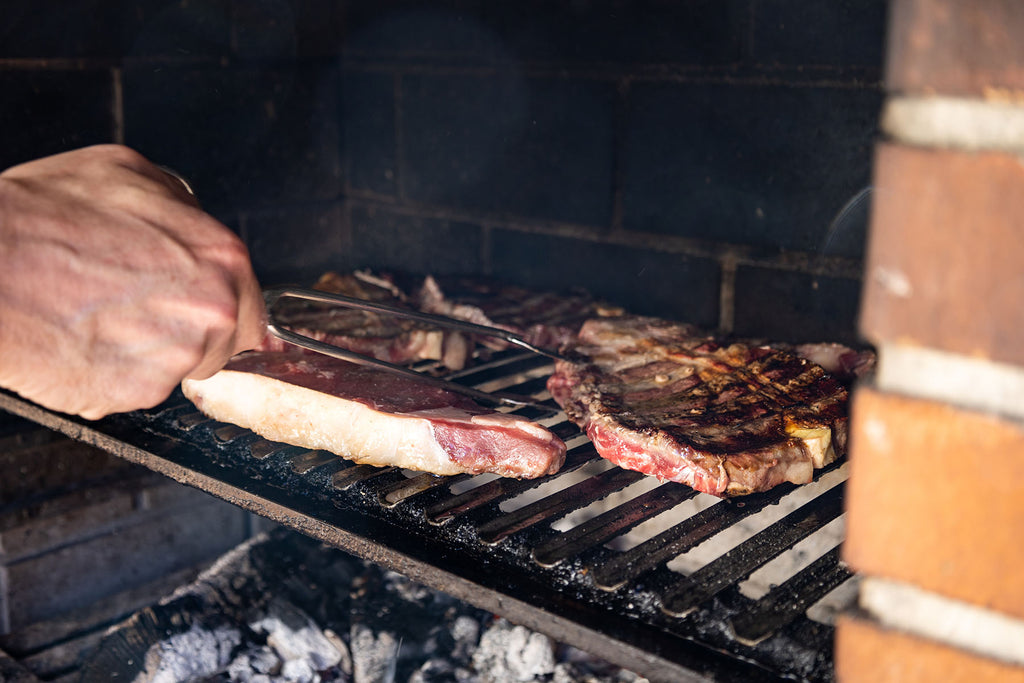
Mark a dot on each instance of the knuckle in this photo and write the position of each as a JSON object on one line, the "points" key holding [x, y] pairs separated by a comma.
{"points": [[182, 361], [118, 154], [233, 252]]}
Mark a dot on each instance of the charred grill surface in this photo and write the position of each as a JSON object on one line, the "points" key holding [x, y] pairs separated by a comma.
{"points": [[509, 546]]}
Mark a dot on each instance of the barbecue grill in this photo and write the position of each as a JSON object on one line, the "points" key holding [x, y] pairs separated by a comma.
{"points": [[562, 554]]}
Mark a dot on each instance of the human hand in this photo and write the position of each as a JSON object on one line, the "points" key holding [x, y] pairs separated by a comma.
{"points": [[114, 284]]}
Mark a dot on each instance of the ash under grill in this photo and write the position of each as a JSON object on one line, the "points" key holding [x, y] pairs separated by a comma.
{"points": [[654, 577]]}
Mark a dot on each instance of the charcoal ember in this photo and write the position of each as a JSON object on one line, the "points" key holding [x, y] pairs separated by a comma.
{"points": [[513, 653], [285, 609], [410, 625], [374, 655], [439, 671], [465, 632], [299, 671], [344, 665], [453, 657], [406, 589], [295, 637], [255, 665], [189, 655], [578, 666]]}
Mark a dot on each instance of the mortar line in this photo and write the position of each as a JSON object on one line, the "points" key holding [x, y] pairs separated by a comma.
{"points": [[727, 295], [745, 255], [619, 126], [399, 139], [117, 104]]}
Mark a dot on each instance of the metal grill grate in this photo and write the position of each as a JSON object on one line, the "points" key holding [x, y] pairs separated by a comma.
{"points": [[544, 553]]}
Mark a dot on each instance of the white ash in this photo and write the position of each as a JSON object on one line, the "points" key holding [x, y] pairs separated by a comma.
{"points": [[405, 588], [513, 653], [345, 663], [193, 654], [286, 609], [466, 633], [294, 636], [374, 655], [254, 665]]}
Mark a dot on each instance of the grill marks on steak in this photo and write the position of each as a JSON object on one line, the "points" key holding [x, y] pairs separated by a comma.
{"points": [[544, 319], [372, 417], [662, 398]]}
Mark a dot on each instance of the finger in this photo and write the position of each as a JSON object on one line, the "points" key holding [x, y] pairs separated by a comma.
{"points": [[252, 315]]}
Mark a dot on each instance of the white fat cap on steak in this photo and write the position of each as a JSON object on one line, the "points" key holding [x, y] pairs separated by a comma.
{"points": [[817, 440], [280, 411]]}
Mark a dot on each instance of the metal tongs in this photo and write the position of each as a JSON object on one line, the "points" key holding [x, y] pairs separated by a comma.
{"points": [[272, 295]]}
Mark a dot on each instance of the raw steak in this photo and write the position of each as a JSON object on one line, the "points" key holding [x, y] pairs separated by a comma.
{"points": [[372, 417], [661, 398]]}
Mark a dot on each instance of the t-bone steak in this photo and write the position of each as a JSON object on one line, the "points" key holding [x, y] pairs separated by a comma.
{"points": [[372, 417], [727, 419]]}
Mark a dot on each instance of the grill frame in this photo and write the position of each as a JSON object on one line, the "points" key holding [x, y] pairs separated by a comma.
{"points": [[463, 544]]}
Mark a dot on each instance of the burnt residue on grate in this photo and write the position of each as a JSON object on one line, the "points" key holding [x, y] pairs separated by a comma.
{"points": [[662, 581]]}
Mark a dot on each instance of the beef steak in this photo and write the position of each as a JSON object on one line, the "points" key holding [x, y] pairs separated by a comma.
{"points": [[382, 336], [662, 398], [372, 417]]}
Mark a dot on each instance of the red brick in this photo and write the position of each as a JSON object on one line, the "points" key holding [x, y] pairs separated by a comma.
{"points": [[946, 255], [869, 653], [952, 47], [936, 499]]}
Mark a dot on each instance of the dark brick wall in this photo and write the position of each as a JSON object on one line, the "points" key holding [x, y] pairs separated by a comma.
{"points": [[676, 157]]}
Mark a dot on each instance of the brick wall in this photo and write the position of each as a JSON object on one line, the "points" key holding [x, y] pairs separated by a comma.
{"points": [[937, 445], [681, 158]]}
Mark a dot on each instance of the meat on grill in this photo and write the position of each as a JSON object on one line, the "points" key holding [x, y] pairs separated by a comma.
{"points": [[381, 336], [372, 417], [544, 319], [661, 398]]}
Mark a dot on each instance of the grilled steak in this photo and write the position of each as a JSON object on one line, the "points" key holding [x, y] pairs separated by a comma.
{"points": [[544, 319], [372, 417], [661, 398], [380, 336]]}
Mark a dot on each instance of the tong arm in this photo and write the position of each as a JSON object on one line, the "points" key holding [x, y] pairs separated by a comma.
{"points": [[271, 296]]}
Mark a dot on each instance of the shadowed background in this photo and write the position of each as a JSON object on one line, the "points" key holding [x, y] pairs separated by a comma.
{"points": [[683, 159]]}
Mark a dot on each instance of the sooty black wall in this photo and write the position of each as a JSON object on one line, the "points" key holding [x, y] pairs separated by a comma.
{"points": [[682, 158]]}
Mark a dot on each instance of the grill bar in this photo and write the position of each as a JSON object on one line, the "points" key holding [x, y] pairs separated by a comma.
{"points": [[310, 460], [627, 566], [610, 524], [452, 534], [501, 489], [753, 553], [557, 504], [401, 490], [356, 474], [790, 599], [261, 448]]}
